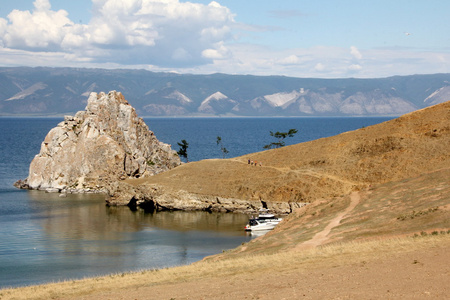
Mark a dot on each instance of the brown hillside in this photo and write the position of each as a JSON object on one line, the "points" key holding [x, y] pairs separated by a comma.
{"points": [[405, 147]]}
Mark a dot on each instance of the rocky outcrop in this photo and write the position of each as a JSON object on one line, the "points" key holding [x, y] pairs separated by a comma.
{"points": [[97, 147], [154, 197]]}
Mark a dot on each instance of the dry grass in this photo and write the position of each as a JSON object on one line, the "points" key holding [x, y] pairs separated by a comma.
{"points": [[327, 256]]}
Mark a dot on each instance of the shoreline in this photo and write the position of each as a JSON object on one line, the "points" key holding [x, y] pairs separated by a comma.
{"points": [[401, 254]]}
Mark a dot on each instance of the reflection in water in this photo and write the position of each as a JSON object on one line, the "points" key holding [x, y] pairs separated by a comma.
{"points": [[78, 236], [81, 216], [258, 233]]}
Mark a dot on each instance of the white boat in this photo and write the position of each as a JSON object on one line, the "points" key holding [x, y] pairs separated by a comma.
{"points": [[264, 221]]}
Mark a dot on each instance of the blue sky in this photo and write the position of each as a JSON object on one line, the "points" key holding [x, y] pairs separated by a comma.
{"points": [[321, 38]]}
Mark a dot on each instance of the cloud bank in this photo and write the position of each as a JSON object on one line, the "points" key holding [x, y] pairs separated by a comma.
{"points": [[165, 33]]}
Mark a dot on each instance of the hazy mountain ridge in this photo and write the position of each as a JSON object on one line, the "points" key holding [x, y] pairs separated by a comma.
{"points": [[49, 91]]}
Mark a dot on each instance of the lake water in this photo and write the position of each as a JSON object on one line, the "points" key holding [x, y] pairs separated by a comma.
{"points": [[45, 238]]}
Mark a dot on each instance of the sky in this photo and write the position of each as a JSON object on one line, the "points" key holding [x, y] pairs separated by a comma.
{"points": [[299, 38]]}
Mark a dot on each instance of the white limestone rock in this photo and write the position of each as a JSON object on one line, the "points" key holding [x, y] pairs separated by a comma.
{"points": [[105, 143]]}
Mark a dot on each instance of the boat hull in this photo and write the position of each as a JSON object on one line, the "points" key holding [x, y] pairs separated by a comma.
{"points": [[261, 226], [265, 221]]}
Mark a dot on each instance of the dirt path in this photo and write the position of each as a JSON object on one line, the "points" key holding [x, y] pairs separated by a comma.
{"points": [[321, 237]]}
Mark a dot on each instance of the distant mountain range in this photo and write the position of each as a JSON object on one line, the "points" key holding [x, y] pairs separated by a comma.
{"points": [[58, 91]]}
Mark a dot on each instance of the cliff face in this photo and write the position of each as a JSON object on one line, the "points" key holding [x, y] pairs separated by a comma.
{"points": [[96, 147]]}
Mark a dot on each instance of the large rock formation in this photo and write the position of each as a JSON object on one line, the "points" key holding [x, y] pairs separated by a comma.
{"points": [[159, 198], [91, 150]]}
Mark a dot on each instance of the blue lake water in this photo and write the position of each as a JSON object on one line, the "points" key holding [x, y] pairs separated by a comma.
{"points": [[45, 238]]}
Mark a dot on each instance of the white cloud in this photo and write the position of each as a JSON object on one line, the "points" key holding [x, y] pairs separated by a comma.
{"points": [[326, 62], [167, 33], [355, 52], [42, 28], [323, 62], [320, 67], [290, 60], [77, 38], [42, 5], [219, 52], [215, 33], [355, 67], [3, 24]]}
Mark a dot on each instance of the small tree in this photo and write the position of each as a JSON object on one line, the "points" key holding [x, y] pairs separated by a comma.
{"points": [[183, 149], [222, 148], [280, 136]]}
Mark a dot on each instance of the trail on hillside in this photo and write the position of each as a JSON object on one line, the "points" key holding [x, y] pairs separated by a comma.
{"points": [[308, 172], [321, 237]]}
